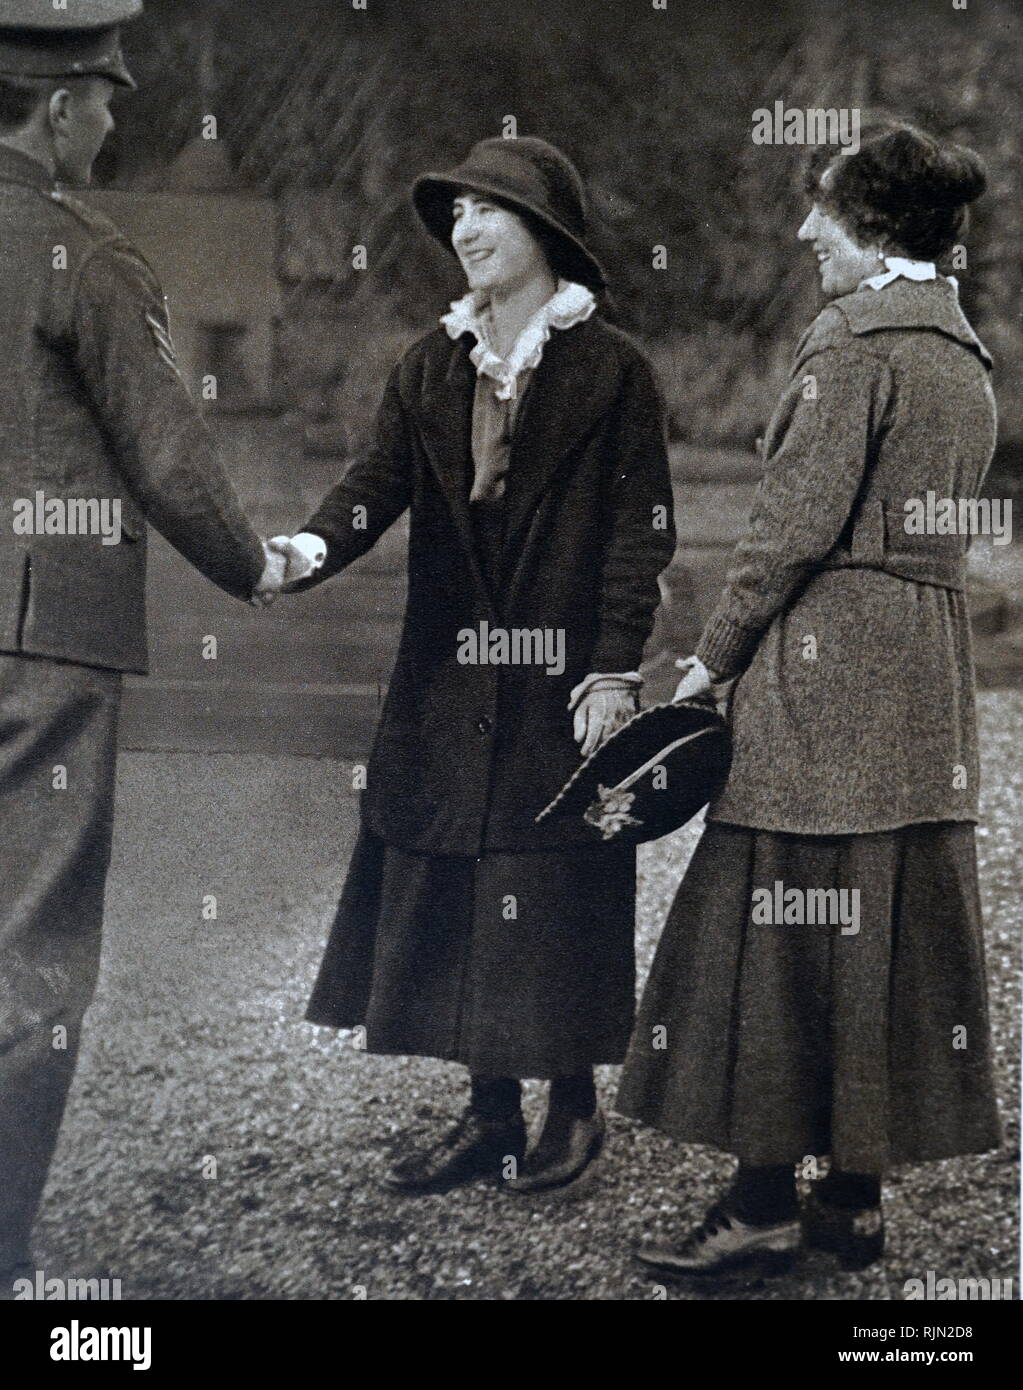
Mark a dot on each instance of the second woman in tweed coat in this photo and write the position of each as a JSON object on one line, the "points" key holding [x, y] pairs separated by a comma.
{"points": [[844, 639]]}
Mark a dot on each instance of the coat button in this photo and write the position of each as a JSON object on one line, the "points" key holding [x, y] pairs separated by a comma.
{"points": [[484, 725]]}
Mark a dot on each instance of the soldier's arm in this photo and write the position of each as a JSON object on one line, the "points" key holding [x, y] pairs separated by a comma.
{"points": [[121, 343]]}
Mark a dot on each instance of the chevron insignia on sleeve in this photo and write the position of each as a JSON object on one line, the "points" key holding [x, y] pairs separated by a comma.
{"points": [[164, 342]]}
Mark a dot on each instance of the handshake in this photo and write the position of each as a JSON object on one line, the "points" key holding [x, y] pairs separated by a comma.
{"points": [[289, 560]]}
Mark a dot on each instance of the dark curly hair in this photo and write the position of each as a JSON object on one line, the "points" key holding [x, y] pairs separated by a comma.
{"points": [[902, 189]]}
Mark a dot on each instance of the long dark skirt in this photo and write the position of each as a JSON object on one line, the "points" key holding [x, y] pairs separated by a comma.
{"points": [[783, 1041], [514, 964]]}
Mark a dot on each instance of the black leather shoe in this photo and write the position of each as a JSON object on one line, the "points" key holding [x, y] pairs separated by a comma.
{"points": [[475, 1147], [854, 1234], [722, 1244], [568, 1147]]}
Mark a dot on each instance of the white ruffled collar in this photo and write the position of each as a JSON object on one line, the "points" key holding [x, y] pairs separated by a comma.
{"points": [[900, 266], [570, 304]]}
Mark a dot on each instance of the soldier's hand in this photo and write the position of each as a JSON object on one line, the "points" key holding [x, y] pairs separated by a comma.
{"points": [[272, 580], [286, 566]]}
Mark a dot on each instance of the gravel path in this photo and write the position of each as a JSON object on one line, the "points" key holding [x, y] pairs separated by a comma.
{"points": [[218, 1147]]}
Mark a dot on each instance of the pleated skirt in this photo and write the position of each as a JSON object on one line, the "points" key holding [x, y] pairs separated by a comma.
{"points": [[775, 1040], [513, 964]]}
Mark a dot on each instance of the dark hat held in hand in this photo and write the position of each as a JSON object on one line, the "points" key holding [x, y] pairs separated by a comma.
{"points": [[651, 776]]}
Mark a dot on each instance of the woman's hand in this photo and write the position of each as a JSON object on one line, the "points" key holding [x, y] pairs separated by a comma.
{"points": [[696, 679], [699, 680], [598, 714]]}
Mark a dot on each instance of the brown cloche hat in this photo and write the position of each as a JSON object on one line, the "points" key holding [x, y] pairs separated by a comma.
{"points": [[523, 173], [80, 39], [650, 776]]}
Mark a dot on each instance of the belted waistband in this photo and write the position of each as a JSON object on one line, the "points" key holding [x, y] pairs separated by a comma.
{"points": [[880, 541]]}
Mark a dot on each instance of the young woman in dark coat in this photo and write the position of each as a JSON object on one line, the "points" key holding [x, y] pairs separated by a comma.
{"points": [[525, 436], [843, 635]]}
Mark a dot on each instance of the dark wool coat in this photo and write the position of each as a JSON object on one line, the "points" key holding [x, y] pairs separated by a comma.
{"points": [[855, 708], [92, 407], [467, 754]]}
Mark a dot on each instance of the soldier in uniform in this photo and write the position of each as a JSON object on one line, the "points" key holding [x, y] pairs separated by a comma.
{"points": [[93, 416]]}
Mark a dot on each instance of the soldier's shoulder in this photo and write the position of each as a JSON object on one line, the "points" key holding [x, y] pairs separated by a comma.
{"points": [[94, 225], [100, 243]]}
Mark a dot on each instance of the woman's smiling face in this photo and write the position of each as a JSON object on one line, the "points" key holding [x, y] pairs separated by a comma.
{"points": [[843, 262], [496, 249]]}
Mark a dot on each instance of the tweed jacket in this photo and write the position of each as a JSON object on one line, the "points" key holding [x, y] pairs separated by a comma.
{"points": [[467, 754], [92, 408], [854, 708]]}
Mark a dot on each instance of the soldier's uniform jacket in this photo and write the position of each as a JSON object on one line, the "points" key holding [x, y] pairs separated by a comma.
{"points": [[92, 407]]}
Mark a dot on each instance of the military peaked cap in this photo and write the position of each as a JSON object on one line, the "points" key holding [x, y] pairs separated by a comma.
{"points": [[65, 38]]}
